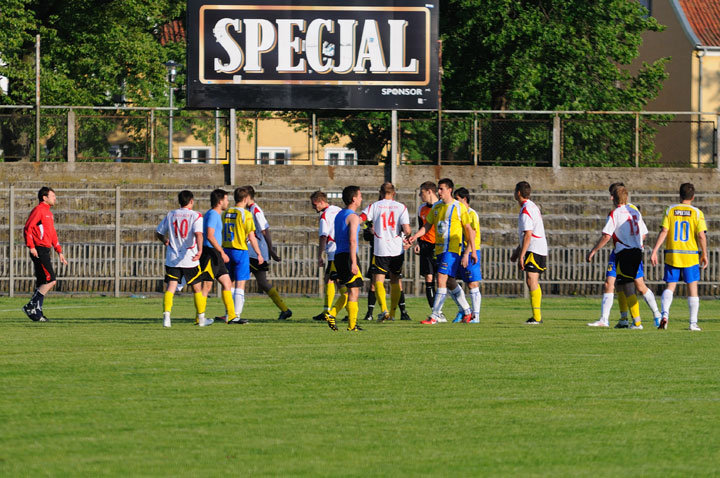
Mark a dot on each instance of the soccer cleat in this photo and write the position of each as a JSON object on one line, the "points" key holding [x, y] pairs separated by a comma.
{"points": [[532, 321], [384, 317], [599, 323], [239, 321], [657, 321], [355, 329], [458, 318], [320, 316], [404, 316], [205, 322], [284, 315], [166, 319], [344, 319], [30, 312], [622, 324], [467, 318], [636, 326], [441, 318], [45, 319], [430, 321], [331, 322], [475, 320], [663, 324], [694, 327], [368, 315], [221, 318]]}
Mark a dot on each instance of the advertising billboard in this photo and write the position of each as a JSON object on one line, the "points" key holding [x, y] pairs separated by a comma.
{"points": [[304, 54]]}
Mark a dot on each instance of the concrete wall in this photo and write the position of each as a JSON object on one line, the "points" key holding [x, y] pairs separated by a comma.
{"points": [[306, 177]]}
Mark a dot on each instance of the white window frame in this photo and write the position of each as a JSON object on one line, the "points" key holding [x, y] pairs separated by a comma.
{"points": [[193, 154], [342, 159], [272, 155]]}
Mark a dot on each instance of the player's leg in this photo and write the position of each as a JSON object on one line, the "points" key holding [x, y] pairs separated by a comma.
{"points": [[200, 301], [671, 276], [606, 303], [633, 305], [265, 286], [352, 306], [227, 297], [371, 298], [691, 275], [379, 272], [532, 279], [45, 281], [241, 276], [395, 293], [171, 283], [649, 297], [458, 295], [440, 295], [330, 287]]}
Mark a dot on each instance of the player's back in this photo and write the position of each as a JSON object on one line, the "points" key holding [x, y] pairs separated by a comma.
{"points": [[530, 219], [683, 223], [237, 223], [261, 224], [327, 228], [179, 227], [388, 217], [475, 225], [342, 231], [627, 227]]}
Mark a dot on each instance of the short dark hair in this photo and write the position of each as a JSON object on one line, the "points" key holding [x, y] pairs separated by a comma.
{"points": [[447, 182], [614, 186], [240, 193], [251, 191], [386, 188], [216, 196], [349, 193], [620, 195], [318, 196], [523, 188], [687, 191], [44, 191], [462, 193], [429, 186], [184, 197]]}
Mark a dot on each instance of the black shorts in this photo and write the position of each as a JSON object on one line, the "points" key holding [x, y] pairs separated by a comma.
{"points": [[255, 267], [345, 275], [627, 263], [387, 265], [44, 272], [428, 265], [211, 265], [534, 262], [331, 271], [191, 274]]}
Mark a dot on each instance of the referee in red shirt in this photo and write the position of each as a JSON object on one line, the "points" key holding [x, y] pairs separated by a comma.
{"points": [[40, 237]]}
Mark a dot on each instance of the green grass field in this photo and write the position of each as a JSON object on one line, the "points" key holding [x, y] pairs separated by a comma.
{"points": [[103, 389]]}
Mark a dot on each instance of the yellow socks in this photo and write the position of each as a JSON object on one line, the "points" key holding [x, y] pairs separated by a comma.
{"points": [[275, 296], [168, 301], [622, 302], [634, 307], [352, 308], [200, 302], [227, 299], [329, 295], [340, 302], [380, 295], [395, 293], [535, 300]]}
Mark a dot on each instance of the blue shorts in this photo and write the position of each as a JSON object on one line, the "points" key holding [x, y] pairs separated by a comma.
{"points": [[611, 272], [448, 263], [239, 265], [687, 274], [472, 272]]}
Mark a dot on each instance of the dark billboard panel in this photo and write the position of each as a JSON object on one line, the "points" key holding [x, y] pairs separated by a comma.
{"points": [[303, 54]]}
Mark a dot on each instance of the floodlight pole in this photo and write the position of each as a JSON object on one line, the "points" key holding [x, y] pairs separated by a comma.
{"points": [[393, 147], [171, 66], [232, 145], [37, 98]]}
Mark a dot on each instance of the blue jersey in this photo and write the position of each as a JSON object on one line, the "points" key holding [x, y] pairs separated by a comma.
{"points": [[342, 231], [212, 219]]}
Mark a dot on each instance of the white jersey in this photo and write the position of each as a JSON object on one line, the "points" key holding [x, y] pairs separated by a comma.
{"points": [[388, 218], [327, 229], [627, 228], [260, 225], [180, 226], [530, 219]]}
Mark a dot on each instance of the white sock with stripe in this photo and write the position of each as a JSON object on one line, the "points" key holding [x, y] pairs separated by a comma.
{"points": [[239, 300], [459, 295], [666, 300], [650, 300], [476, 298], [694, 306], [607, 303], [440, 294]]}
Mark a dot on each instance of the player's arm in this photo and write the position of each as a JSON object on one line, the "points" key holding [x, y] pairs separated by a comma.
{"points": [[213, 242], [604, 239], [470, 250], [255, 246], [702, 240], [29, 231], [322, 246], [198, 244], [421, 232], [162, 238], [354, 223], [658, 243], [406, 232], [271, 249], [527, 237]]}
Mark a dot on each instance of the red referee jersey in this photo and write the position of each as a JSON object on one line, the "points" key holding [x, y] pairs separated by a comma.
{"points": [[40, 228]]}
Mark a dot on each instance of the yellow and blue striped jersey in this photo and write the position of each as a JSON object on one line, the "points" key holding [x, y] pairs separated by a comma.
{"points": [[475, 225], [237, 224], [449, 220], [683, 222]]}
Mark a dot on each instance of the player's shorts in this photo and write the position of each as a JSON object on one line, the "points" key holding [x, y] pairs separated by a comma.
{"points": [[330, 270], [387, 265], [472, 272], [428, 265], [190, 274], [44, 271], [255, 267], [449, 263], [611, 268], [687, 274], [211, 265], [345, 275], [534, 262], [627, 260], [239, 265]]}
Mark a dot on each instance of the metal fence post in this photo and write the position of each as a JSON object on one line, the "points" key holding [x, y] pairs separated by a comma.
{"points": [[71, 135], [313, 141], [637, 140], [118, 251], [11, 240], [152, 135], [475, 139], [556, 142], [37, 98], [393, 146], [717, 142], [233, 140]]}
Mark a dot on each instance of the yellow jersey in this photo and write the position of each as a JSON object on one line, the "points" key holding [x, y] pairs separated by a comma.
{"points": [[448, 220], [683, 223], [237, 224], [475, 225]]}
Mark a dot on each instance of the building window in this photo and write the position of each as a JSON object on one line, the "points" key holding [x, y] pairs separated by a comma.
{"points": [[340, 157], [647, 4], [273, 156], [194, 155]]}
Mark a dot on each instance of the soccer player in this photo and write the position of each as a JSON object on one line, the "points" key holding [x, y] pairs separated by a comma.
{"points": [[532, 252], [688, 227], [627, 229], [390, 219], [450, 218], [264, 240], [425, 246], [213, 258], [238, 229], [326, 244], [347, 229], [471, 275], [40, 237], [182, 233]]}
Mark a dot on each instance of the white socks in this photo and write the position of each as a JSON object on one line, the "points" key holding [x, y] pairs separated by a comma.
{"points": [[666, 301], [607, 303], [693, 305], [440, 294], [239, 300], [476, 300], [459, 296], [650, 300]]}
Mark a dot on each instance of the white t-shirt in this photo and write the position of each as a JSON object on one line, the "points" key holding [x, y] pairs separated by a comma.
{"points": [[627, 228], [388, 217], [260, 225], [530, 219], [327, 229], [180, 226]]}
